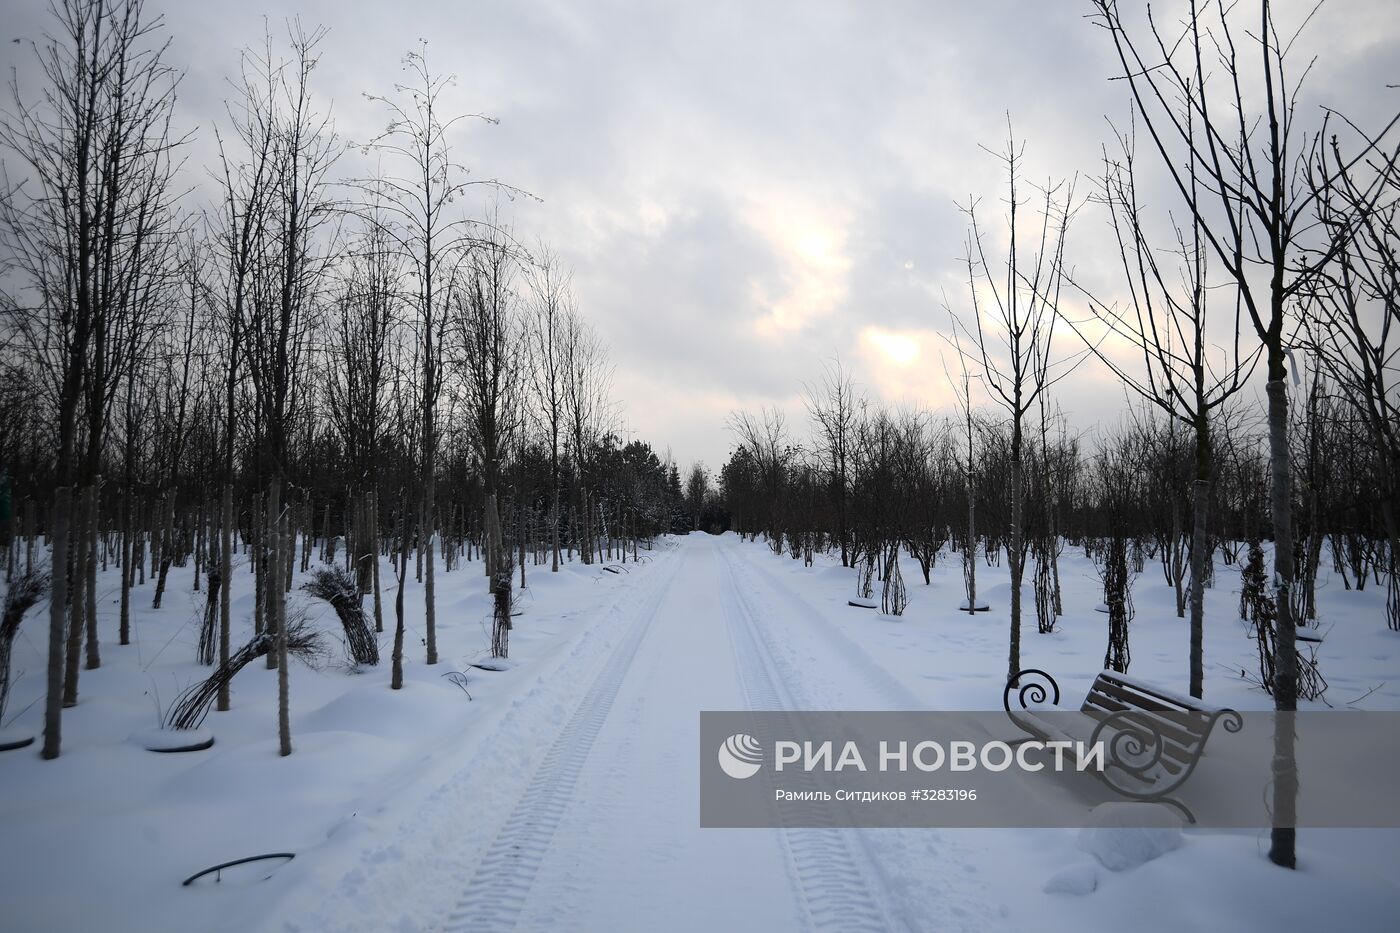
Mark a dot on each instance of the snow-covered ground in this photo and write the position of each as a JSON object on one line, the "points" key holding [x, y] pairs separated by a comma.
{"points": [[564, 793]]}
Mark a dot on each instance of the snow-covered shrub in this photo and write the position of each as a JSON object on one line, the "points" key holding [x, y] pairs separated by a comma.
{"points": [[338, 586]]}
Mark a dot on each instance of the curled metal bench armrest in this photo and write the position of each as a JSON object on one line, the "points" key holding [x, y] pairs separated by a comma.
{"points": [[1230, 720], [1033, 685], [1135, 745]]}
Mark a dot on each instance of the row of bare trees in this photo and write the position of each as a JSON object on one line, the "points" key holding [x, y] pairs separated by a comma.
{"points": [[932, 483], [1258, 244], [213, 370], [1282, 207]]}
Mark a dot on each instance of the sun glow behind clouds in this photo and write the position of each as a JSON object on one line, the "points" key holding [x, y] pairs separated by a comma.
{"points": [[894, 348], [903, 366], [817, 246], [815, 276]]}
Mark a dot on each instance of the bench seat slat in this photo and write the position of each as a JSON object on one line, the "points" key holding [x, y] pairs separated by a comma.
{"points": [[1190, 719], [1188, 729], [1140, 699], [1185, 702]]}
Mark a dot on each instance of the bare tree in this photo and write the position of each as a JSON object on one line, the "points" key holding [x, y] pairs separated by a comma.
{"points": [[417, 202], [176, 386], [927, 470], [587, 380], [835, 408], [486, 329], [94, 156], [766, 439], [1353, 312], [1243, 150], [544, 334], [1187, 369], [357, 382], [962, 387], [286, 301], [237, 236], [697, 492], [1014, 315], [1115, 476]]}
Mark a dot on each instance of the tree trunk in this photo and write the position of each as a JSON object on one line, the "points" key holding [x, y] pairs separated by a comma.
{"points": [[1017, 566], [373, 531], [252, 549], [277, 526], [1198, 581], [226, 572], [128, 551], [396, 679], [94, 655], [429, 592], [1282, 849], [201, 516], [970, 551], [167, 546], [364, 543], [11, 538], [29, 532], [77, 578], [287, 530], [1176, 561], [58, 616], [138, 549], [554, 531]]}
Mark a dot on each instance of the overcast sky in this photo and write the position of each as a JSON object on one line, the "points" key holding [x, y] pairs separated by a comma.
{"points": [[746, 189]]}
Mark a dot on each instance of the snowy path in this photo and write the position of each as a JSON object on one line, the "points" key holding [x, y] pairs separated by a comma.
{"points": [[564, 794], [628, 852], [600, 830]]}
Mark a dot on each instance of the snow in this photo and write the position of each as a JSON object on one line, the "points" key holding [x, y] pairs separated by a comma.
{"points": [[1076, 880], [564, 792], [1126, 835], [174, 740]]}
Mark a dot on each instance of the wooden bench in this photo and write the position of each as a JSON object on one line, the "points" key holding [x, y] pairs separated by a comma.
{"points": [[1153, 739]]}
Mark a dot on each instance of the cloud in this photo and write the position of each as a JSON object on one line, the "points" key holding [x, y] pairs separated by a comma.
{"points": [[742, 189]]}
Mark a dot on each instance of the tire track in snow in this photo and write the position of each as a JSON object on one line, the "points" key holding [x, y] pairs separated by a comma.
{"points": [[496, 894], [896, 694], [840, 885], [893, 857]]}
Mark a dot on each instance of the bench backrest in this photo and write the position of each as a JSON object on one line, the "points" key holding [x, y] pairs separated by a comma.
{"points": [[1183, 724]]}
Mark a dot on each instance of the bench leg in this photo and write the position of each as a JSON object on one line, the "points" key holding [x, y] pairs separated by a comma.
{"points": [[1145, 798], [1180, 807]]}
